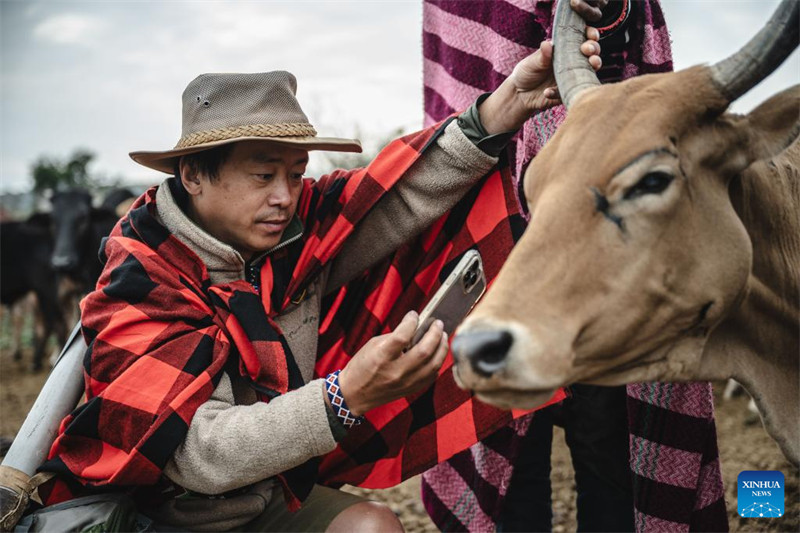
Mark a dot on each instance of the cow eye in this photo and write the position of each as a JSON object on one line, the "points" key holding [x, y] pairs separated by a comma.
{"points": [[651, 183]]}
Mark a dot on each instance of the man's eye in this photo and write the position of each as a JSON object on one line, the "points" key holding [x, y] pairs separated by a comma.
{"points": [[265, 177], [297, 175]]}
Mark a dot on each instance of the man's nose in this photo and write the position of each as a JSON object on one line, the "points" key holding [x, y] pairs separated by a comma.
{"points": [[281, 195]]}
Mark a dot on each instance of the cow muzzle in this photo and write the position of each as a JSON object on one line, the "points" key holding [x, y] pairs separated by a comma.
{"points": [[485, 351], [505, 364], [64, 263]]}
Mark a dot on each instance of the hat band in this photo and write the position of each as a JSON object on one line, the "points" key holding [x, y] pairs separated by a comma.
{"points": [[300, 129]]}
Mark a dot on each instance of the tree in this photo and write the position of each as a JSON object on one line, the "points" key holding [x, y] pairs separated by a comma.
{"points": [[53, 173]]}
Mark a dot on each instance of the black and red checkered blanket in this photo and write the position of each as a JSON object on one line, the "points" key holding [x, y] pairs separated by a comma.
{"points": [[160, 334]]}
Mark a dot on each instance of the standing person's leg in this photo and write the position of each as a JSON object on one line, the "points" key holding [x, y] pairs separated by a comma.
{"points": [[528, 502], [596, 428]]}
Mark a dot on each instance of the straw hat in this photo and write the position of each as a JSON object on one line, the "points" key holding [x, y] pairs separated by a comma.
{"points": [[224, 108]]}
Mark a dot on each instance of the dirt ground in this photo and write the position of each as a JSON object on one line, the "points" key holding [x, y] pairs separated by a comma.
{"points": [[743, 446]]}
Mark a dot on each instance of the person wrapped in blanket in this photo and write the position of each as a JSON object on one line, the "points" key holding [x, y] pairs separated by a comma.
{"points": [[618, 440], [204, 330]]}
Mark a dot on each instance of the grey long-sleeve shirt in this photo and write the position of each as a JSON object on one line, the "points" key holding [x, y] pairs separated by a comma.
{"points": [[234, 441]]}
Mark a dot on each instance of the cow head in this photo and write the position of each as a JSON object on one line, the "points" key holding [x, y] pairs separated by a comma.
{"points": [[71, 222], [634, 251]]}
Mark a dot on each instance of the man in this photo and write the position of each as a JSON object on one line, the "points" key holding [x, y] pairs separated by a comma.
{"points": [[203, 332]]}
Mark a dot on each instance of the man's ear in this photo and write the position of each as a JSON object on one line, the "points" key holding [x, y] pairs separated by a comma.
{"points": [[773, 125], [190, 178]]}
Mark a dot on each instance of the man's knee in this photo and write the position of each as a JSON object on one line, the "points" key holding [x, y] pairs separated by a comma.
{"points": [[366, 517]]}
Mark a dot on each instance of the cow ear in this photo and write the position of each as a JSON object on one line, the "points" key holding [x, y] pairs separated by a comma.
{"points": [[773, 125], [40, 220], [100, 214]]}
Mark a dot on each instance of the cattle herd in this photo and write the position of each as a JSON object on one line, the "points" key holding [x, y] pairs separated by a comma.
{"points": [[50, 260]]}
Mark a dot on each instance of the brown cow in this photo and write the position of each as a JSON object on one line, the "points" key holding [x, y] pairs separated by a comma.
{"points": [[664, 243]]}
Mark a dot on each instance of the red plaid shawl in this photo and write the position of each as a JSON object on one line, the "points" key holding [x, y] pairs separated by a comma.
{"points": [[160, 334]]}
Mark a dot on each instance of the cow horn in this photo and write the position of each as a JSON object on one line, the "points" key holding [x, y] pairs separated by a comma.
{"points": [[572, 69], [763, 54]]}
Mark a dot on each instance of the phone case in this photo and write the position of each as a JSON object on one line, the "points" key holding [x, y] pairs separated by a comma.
{"points": [[456, 297]]}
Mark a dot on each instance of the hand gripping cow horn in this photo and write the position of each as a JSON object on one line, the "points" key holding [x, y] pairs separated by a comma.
{"points": [[761, 55], [572, 69]]}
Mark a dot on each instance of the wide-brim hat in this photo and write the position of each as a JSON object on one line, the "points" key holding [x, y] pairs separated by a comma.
{"points": [[221, 109]]}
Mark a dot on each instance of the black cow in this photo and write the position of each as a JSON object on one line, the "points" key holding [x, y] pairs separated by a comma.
{"points": [[55, 255], [25, 255], [78, 229]]}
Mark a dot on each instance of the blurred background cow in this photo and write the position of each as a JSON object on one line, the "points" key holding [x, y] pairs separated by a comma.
{"points": [[26, 248], [78, 229], [50, 260]]}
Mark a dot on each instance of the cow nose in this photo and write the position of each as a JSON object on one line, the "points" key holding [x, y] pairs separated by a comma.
{"points": [[486, 351], [63, 262]]}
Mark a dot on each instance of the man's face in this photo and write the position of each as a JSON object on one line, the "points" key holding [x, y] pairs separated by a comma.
{"points": [[254, 197]]}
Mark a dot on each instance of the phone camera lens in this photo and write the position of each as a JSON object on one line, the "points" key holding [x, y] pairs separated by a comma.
{"points": [[469, 279]]}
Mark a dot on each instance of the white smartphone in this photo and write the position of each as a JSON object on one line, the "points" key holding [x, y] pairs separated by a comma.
{"points": [[456, 297]]}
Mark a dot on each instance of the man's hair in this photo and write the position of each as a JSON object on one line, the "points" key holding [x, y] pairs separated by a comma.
{"points": [[206, 162]]}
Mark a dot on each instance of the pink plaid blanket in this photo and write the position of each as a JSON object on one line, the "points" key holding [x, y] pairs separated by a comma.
{"points": [[469, 48]]}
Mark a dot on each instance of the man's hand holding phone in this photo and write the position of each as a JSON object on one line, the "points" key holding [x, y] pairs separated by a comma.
{"points": [[383, 370]]}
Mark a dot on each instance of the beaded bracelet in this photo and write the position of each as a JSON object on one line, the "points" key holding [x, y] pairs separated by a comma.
{"points": [[614, 18], [338, 403]]}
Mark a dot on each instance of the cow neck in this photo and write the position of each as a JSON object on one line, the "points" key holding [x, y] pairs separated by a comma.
{"points": [[757, 344], [223, 263], [767, 200]]}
